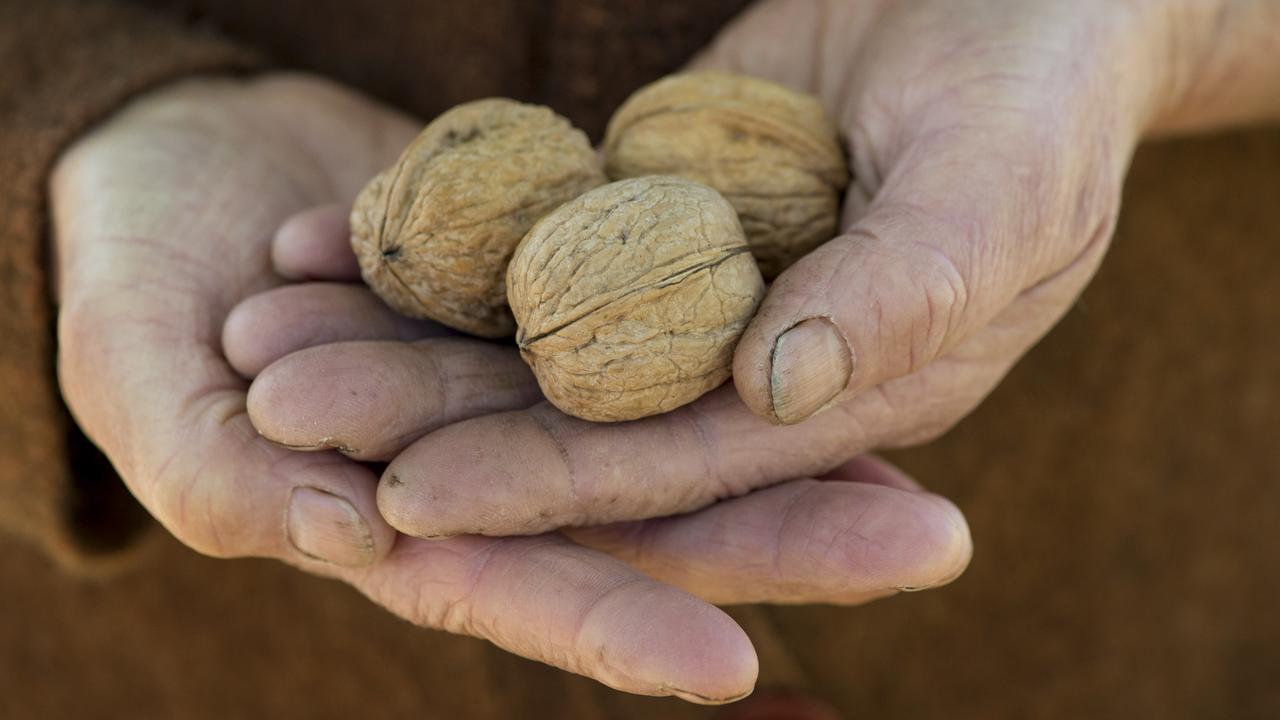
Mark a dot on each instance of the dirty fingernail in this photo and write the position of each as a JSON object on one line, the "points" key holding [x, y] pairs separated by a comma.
{"points": [[324, 526], [811, 365]]}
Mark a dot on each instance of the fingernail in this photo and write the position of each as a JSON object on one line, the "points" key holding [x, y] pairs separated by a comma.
{"points": [[324, 526], [811, 365]]}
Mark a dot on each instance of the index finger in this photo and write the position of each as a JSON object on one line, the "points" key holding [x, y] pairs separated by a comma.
{"points": [[532, 470]]}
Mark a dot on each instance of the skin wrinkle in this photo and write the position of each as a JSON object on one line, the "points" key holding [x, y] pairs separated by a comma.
{"points": [[172, 495], [954, 307], [198, 273], [530, 558], [776, 564], [892, 434], [212, 522], [570, 475], [706, 442], [458, 611], [436, 377], [584, 617], [851, 530]]}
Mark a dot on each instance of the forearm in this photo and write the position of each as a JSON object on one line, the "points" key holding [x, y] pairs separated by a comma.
{"points": [[1221, 64]]}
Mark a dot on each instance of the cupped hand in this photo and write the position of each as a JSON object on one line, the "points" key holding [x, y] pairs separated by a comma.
{"points": [[862, 531], [989, 143], [164, 218]]}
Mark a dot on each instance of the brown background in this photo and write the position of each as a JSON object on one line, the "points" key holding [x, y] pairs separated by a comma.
{"points": [[1121, 484]]}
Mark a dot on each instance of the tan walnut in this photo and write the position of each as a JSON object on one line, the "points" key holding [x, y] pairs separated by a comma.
{"points": [[434, 232], [771, 151], [631, 298]]}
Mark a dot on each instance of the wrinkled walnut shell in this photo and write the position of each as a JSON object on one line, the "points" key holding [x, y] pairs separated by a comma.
{"points": [[631, 298], [771, 151], [434, 232]]}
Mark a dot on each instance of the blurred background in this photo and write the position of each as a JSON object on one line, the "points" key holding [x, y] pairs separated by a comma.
{"points": [[1121, 484]]}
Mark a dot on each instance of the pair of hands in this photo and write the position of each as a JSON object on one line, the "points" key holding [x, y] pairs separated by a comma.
{"points": [[989, 143]]}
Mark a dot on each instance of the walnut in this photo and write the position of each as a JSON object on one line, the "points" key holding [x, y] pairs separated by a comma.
{"points": [[771, 151], [629, 300], [434, 232]]}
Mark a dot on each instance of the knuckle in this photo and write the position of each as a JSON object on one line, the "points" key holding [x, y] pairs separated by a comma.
{"points": [[944, 294], [452, 615], [456, 612], [922, 291], [191, 507]]}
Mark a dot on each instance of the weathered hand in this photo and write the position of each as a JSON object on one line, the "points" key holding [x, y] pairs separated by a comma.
{"points": [[862, 531], [989, 142], [164, 217]]}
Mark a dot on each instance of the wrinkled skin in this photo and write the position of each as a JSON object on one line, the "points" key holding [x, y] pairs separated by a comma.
{"points": [[989, 143], [152, 257]]}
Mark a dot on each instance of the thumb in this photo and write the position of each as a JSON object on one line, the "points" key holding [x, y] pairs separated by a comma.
{"points": [[954, 233]]}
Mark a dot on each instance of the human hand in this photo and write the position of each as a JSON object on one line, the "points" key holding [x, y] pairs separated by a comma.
{"points": [[989, 144], [163, 220]]}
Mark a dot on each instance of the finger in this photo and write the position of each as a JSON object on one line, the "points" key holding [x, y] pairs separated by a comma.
{"points": [[315, 245], [556, 471], [528, 471], [272, 324], [549, 599], [844, 541], [371, 399]]}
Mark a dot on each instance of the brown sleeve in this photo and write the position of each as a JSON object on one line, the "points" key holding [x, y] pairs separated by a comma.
{"points": [[65, 64]]}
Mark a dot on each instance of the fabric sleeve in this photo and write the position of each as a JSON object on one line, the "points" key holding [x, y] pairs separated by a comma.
{"points": [[64, 65]]}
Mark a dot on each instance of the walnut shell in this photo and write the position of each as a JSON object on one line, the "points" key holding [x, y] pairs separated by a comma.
{"points": [[771, 151], [630, 299], [434, 232]]}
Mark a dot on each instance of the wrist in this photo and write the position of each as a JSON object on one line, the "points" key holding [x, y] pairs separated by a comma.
{"points": [[1218, 62]]}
